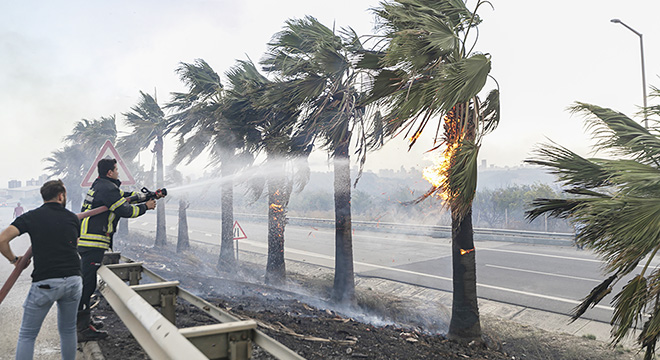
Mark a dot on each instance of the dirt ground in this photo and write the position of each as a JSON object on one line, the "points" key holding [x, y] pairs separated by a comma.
{"points": [[380, 329]]}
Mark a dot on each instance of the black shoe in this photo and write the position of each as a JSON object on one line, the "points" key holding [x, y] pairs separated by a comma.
{"points": [[97, 324], [91, 334]]}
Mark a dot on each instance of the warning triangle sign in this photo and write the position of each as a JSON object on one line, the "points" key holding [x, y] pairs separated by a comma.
{"points": [[108, 151], [238, 232]]}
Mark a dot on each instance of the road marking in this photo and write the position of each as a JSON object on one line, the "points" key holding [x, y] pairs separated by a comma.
{"points": [[531, 294], [381, 267], [208, 235], [545, 273], [543, 255], [306, 230]]}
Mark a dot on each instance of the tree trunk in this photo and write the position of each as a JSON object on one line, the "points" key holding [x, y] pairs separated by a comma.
{"points": [[464, 325], [161, 228], [183, 240], [277, 201], [75, 197], [226, 260], [343, 291]]}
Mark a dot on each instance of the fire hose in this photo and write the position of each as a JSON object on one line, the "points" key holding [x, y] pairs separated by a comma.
{"points": [[145, 195]]}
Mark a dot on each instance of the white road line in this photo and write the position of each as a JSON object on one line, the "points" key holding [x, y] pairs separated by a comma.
{"points": [[398, 240], [208, 235], [545, 273], [537, 254], [381, 267], [548, 297]]}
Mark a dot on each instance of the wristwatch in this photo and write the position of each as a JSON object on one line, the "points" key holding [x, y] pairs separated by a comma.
{"points": [[14, 261]]}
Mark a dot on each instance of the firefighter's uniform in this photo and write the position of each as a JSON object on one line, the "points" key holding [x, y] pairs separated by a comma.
{"points": [[96, 237]]}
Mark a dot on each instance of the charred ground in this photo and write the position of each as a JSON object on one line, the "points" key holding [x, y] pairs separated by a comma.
{"points": [[385, 327]]}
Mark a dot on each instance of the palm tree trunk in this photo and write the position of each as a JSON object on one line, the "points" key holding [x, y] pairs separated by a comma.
{"points": [[464, 325], [183, 239], [276, 267], [76, 198], [161, 229], [343, 291], [226, 260]]}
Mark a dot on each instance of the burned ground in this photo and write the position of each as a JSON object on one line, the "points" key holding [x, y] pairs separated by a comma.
{"points": [[381, 329]]}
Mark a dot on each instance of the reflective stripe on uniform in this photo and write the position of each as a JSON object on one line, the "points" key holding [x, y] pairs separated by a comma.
{"points": [[119, 202], [136, 211], [84, 223], [94, 244], [111, 218], [85, 235], [95, 237]]}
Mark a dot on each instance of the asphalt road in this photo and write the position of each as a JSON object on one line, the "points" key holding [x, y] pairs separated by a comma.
{"points": [[549, 278]]}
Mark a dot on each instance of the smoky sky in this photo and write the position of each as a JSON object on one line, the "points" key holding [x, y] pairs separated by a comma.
{"points": [[63, 61]]}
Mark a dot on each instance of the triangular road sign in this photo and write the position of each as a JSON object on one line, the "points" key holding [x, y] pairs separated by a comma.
{"points": [[238, 232], [108, 151]]}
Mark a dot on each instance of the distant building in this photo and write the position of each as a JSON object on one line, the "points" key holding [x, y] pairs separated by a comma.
{"points": [[32, 182], [26, 192], [14, 184]]}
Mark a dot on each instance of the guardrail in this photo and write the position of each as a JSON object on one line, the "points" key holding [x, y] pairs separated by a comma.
{"points": [[438, 231], [156, 331]]}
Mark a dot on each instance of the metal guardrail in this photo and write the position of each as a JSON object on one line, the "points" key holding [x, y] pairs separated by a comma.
{"points": [[156, 331], [439, 231], [264, 341]]}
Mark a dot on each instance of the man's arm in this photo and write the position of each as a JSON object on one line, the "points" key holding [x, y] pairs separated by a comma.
{"points": [[123, 209], [6, 236]]}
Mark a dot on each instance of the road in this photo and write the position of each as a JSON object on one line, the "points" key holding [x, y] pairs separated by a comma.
{"points": [[549, 278]]}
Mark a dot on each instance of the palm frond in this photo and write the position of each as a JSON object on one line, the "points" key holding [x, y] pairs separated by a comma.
{"points": [[569, 167], [619, 134], [595, 296], [628, 306], [462, 180]]}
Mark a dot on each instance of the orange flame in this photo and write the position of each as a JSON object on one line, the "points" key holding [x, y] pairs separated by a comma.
{"points": [[276, 207], [438, 173], [415, 137], [463, 252]]}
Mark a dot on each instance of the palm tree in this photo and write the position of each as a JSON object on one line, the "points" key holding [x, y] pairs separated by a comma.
{"points": [[200, 125], [92, 134], [258, 102], [318, 68], [69, 164], [428, 70], [615, 201], [183, 239], [149, 125], [76, 157]]}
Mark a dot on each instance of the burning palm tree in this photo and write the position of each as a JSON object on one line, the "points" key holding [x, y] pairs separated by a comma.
{"points": [[428, 71]]}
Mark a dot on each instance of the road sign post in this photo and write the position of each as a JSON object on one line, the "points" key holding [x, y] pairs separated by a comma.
{"points": [[108, 151], [238, 235]]}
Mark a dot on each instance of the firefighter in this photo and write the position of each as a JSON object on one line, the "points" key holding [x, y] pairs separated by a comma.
{"points": [[96, 237], [56, 277]]}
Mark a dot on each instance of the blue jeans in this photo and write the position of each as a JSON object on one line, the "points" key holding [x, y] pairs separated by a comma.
{"points": [[66, 292]]}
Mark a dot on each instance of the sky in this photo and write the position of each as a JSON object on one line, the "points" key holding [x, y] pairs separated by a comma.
{"points": [[64, 61]]}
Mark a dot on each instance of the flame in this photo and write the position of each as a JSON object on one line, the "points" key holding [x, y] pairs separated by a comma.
{"points": [[438, 173], [415, 137], [463, 252], [276, 207]]}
